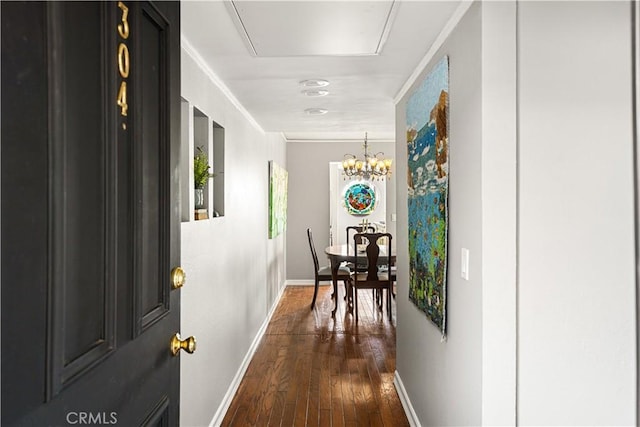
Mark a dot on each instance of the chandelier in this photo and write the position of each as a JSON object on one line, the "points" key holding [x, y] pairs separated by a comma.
{"points": [[371, 167]]}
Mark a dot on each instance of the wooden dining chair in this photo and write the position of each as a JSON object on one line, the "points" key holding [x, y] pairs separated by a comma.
{"points": [[353, 230], [377, 275], [323, 274]]}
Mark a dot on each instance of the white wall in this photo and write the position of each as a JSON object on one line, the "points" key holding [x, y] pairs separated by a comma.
{"points": [[499, 202], [444, 379], [234, 272], [576, 306], [308, 165], [558, 317]]}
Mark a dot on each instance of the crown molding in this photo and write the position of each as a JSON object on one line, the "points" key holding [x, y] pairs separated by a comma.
{"points": [[338, 140]]}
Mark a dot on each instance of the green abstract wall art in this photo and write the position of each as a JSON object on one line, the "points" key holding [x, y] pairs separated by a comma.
{"points": [[428, 190], [278, 181]]}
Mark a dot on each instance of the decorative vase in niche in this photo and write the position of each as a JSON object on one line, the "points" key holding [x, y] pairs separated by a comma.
{"points": [[199, 194]]}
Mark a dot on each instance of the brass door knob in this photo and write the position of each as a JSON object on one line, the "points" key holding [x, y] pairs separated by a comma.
{"points": [[178, 277], [177, 344]]}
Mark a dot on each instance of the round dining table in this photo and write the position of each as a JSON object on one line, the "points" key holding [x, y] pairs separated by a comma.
{"points": [[346, 253]]}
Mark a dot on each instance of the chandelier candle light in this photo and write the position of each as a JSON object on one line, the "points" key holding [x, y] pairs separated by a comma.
{"points": [[373, 166]]}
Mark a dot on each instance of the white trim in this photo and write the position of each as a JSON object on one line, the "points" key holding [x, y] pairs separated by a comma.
{"points": [[242, 30], [406, 402], [308, 282], [437, 44], [237, 379], [338, 140], [284, 136], [199, 60], [391, 17]]}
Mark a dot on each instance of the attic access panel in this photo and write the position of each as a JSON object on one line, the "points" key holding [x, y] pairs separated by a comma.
{"points": [[313, 28]]}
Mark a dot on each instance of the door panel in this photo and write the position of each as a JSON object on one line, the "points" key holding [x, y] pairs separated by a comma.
{"points": [[152, 152], [92, 228], [82, 314], [24, 183]]}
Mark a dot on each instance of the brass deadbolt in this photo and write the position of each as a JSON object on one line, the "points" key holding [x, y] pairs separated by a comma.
{"points": [[178, 277]]}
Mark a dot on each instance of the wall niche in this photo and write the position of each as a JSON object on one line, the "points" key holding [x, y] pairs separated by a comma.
{"points": [[201, 136]]}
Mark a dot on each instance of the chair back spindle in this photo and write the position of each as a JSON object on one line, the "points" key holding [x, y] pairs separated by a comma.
{"points": [[358, 230], [314, 255]]}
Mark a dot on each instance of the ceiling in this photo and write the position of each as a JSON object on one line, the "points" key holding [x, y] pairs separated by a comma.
{"points": [[262, 51]]}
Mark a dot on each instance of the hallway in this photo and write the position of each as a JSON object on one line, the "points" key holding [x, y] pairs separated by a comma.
{"points": [[311, 369]]}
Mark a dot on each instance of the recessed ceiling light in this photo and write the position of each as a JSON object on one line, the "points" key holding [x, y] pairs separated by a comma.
{"points": [[314, 83], [316, 111], [315, 92]]}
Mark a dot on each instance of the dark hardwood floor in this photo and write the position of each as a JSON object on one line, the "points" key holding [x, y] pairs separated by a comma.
{"points": [[314, 370]]}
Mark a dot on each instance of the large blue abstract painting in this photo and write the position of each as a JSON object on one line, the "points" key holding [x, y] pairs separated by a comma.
{"points": [[428, 190]]}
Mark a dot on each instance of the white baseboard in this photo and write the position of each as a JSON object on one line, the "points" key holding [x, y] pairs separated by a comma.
{"points": [[406, 402], [309, 282], [237, 379]]}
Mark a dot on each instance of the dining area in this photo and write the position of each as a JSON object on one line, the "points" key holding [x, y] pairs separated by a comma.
{"points": [[364, 262]]}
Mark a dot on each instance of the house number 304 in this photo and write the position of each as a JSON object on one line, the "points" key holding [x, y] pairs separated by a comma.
{"points": [[123, 60]]}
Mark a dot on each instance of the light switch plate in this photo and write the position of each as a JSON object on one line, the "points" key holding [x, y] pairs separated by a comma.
{"points": [[464, 264], [393, 217]]}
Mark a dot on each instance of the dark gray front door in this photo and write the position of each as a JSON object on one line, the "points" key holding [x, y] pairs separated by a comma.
{"points": [[90, 225]]}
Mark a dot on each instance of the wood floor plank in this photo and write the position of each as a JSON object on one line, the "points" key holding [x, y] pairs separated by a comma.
{"points": [[314, 392], [325, 418], [239, 416], [312, 369], [277, 410], [303, 394], [293, 383], [288, 415], [325, 383], [376, 420], [337, 413]]}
